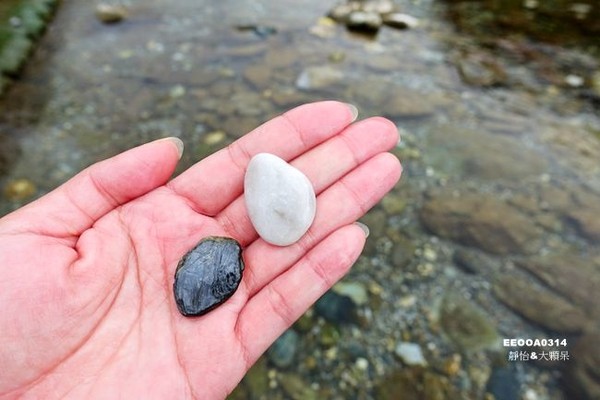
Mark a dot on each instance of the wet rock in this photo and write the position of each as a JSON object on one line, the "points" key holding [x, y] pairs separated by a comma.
{"points": [[410, 354], [336, 56], [525, 202], [576, 277], [557, 197], [296, 388], [382, 62], [539, 305], [329, 335], [584, 216], [403, 251], [305, 322], [258, 75], [467, 325], [579, 151], [246, 50], [239, 393], [409, 104], [586, 222], [367, 17], [280, 56], [238, 126], [287, 97], [214, 138], [504, 384], [177, 91], [376, 220], [364, 21], [261, 31], [400, 20], [256, 380], [452, 365], [110, 13], [319, 77], [19, 189], [415, 383], [280, 199], [336, 308], [581, 371], [393, 204], [481, 70], [283, 350], [480, 220], [324, 28], [208, 275], [248, 104], [460, 152], [470, 262], [341, 12], [210, 143], [355, 290], [391, 99], [380, 7]]}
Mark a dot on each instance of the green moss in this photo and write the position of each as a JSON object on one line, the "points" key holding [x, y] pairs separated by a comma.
{"points": [[467, 325], [415, 384], [14, 53], [21, 23]]}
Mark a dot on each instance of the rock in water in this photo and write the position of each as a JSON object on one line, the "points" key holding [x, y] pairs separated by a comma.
{"points": [[279, 198], [208, 275]]}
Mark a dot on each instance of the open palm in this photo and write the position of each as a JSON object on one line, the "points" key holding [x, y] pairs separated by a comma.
{"points": [[86, 272]]}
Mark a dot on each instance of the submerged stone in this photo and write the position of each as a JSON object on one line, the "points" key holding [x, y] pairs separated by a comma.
{"points": [[208, 275], [410, 353], [110, 13], [279, 198], [467, 325], [283, 351]]}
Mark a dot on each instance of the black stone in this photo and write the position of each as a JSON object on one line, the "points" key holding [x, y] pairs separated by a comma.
{"points": [[283, 350], [337, 308], [208, 275]]}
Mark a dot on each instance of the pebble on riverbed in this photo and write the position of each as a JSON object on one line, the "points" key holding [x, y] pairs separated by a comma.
{"points": [[208, 275], [19, 189], [110, 13], [410, 354], [369, 16]]}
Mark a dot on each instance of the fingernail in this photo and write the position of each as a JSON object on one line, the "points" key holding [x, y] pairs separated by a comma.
{"points": [[353, 111], [177, 142], [364, 227]]}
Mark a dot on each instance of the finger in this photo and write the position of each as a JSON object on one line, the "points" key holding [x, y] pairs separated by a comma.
{"points": [[216, 181], [341, 204], [323, 165], [74, 206], [275, 308]]}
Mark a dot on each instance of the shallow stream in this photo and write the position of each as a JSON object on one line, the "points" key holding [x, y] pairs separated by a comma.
{"points": [[493, 232]]}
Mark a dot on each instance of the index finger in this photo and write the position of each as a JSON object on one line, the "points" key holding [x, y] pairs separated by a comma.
{"points": [[216, 181]]}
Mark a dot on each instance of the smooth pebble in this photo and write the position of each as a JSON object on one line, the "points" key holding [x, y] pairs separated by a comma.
{"points": [[280, 199], [410, 353], [208, 275]]}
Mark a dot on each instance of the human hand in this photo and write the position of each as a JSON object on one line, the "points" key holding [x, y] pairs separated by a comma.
{"points": [[86, 272]]}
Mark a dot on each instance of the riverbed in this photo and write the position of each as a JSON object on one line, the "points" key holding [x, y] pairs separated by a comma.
{"points": [[493, 232]]}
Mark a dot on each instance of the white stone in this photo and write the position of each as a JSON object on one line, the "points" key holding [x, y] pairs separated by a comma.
{"points": [[356, 291], [280, 199], [410, 353]]}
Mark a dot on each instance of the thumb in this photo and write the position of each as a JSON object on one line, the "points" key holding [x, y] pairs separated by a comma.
{"points": [[74, 206]]}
